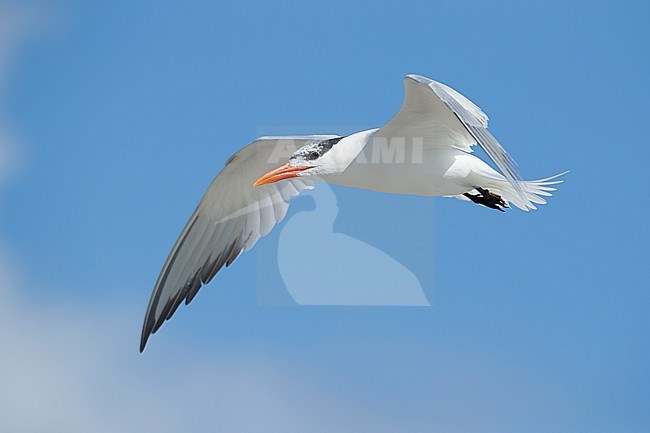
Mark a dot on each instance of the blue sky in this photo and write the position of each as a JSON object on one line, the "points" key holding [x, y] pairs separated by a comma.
{"points": [[115, 116]]}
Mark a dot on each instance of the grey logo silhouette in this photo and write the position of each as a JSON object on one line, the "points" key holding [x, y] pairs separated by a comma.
{"points": [[321, 267]]}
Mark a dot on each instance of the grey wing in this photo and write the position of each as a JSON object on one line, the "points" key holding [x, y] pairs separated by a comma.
{"points": [[443, 117], [231, 217]]}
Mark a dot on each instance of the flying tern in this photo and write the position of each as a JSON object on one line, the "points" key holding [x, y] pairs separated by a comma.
{"points": [[425, 149]]}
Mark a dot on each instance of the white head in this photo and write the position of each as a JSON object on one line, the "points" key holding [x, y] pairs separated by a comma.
{"points": [[315, 159]]}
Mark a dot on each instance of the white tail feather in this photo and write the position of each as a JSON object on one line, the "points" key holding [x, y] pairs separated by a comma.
{"points": [[532, 191]]}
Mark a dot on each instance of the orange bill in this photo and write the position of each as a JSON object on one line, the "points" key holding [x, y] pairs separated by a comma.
{"points": [[285, 171]]}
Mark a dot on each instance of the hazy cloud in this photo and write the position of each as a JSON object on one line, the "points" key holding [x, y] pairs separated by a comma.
{"points": [[74, 367], [14, 21]]}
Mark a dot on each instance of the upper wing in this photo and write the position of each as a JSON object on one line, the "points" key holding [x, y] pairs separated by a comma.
{"points": [[230, 218], [443, 117]]}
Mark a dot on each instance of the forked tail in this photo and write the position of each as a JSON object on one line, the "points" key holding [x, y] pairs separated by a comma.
{"points": [[532, 191]]}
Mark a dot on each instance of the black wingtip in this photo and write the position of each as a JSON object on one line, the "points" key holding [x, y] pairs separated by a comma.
{"points": [[143, 340], [147, 329]]}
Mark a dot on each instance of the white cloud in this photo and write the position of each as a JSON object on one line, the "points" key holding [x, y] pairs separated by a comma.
{"points": [[74, 367]]}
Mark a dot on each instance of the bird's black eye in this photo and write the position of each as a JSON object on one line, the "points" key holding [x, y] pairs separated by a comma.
{"points": [[313, 155]]}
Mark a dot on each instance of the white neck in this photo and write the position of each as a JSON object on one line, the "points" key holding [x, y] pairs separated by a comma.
{"points": [[346, 150]]}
